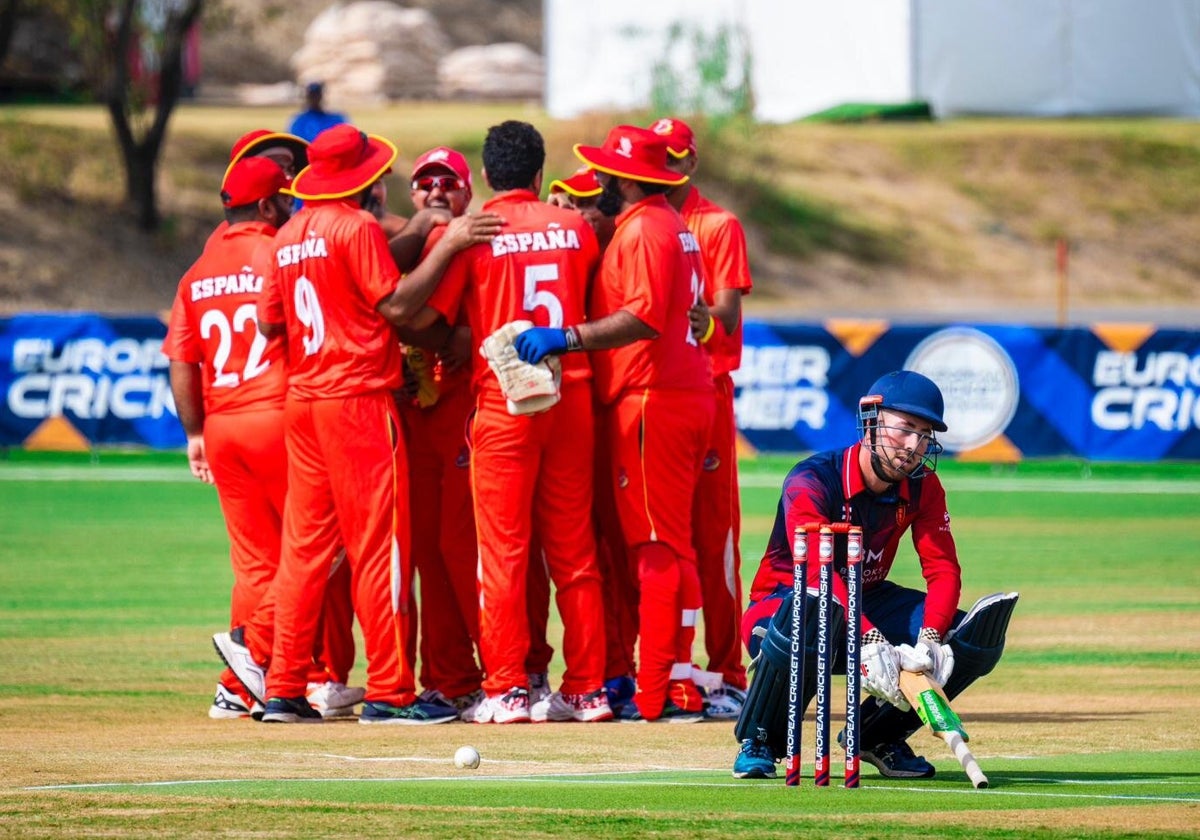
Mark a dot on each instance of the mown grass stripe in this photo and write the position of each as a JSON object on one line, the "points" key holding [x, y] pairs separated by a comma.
{"points": [[972, 484], [589, 779]]}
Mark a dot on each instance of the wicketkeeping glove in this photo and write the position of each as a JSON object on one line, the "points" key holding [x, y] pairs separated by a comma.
{"points": [[881, 670], [528, 388], [537, 343]]}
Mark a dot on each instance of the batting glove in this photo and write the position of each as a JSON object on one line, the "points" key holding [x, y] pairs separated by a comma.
{"points": [[881, 670], [537, 343], [941, 657]]}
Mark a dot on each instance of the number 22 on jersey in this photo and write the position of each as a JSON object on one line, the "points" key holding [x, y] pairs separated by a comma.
{"points": [[244, 316]]}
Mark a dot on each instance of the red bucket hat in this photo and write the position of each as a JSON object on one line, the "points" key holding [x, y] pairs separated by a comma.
{"points": [[582, 184], [250, 179], [681, 141], [447, 158], [631, 152], [256, 142], [343, 161]]}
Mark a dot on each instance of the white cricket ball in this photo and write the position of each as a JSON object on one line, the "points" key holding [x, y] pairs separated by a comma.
{"points": [[466, 758]]}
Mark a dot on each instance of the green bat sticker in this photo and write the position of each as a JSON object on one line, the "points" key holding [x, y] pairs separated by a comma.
{"points": [[938, 716]]}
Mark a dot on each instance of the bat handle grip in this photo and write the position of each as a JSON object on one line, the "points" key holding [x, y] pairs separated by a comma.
{"points": [[965, 758]]}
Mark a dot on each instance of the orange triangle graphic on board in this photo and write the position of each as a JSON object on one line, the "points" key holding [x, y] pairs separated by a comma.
{"points": [[1124, 338], [57, 434], [998, 450], [856, 336], [745, 449]]}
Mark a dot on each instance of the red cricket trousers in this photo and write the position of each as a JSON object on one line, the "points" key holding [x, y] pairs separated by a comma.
{"points": [[443, 539], [533, 475], [347, 481], [715, 534], [658, 442]]}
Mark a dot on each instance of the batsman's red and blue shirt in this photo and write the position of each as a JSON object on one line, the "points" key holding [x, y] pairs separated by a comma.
{"points": [[829, 487]]}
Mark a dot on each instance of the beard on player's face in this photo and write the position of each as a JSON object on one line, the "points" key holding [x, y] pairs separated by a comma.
{"points": [[610, 201], [371, 201]]}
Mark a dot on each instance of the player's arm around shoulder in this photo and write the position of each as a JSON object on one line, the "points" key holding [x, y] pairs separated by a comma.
{"points": [[406, 304]]}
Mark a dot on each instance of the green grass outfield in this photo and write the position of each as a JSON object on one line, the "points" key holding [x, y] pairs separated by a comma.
{"points": [[113, 574]]}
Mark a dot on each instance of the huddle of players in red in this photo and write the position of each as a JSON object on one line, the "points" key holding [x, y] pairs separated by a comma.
{"points": [[327, 368]]}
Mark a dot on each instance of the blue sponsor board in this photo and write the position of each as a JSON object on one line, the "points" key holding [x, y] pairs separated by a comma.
{"points": [[106, 376], [1105, 392]]}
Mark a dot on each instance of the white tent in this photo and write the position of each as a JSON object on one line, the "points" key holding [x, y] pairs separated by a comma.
{"points": [[1018, 57]]}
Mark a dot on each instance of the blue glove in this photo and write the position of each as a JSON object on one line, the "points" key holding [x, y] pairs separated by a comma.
{"points": [[537, 343]]}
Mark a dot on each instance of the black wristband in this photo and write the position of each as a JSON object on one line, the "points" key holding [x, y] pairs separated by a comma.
{"points": [[574, 340]]}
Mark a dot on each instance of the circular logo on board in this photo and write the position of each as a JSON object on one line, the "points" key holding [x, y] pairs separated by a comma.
{"points": [[978, 380]]}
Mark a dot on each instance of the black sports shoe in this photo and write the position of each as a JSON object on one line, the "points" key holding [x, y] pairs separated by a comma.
{"points": [[290, 710], [419, 713], [897, 761]]}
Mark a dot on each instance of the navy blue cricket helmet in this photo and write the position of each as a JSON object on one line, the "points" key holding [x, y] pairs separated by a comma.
{"points": [[910, 392]]}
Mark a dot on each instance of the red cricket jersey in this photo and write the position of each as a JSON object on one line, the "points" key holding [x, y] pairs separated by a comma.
{"points": [[539, 269], [652, 269], [726, 266], [331, 268], [214, 323]]}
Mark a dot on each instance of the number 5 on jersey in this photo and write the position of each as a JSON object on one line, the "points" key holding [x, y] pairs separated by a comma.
{"points": [[535, 297]]}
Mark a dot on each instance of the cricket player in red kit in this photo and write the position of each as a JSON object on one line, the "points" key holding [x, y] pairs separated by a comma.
{"points": [[335, 647], [580, 192], [531, 473], [656, 381], [229, 384], [334, 290], [214, 318], [434, 419], [717, 520]]}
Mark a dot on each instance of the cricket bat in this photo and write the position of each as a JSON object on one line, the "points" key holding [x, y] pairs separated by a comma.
{"points": [[934, 710]]}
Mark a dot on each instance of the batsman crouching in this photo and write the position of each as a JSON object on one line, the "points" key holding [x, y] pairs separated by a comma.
{"points": [[885, 483]]}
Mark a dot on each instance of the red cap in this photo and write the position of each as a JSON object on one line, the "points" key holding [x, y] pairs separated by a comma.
{"points": [[251, 179], [582, 184], [446, 158], [631, 152], [681, 141]]}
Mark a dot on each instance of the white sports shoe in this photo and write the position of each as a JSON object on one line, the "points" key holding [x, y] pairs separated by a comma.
{"points": [[510, 707], [236, 655], [585, 708], [226, 705], [334, 699], [725, 703]]}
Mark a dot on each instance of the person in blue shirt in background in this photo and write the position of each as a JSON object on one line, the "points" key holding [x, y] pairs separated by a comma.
{"points": [[314, 119]]}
